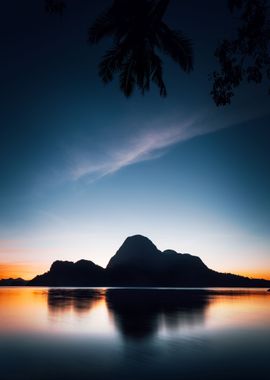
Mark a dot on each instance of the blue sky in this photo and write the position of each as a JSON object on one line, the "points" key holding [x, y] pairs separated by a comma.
{"points": [[82, 167]]}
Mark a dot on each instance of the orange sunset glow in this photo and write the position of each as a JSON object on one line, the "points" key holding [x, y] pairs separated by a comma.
{"points": [[256, 274], [28, 271], [21, 270]]}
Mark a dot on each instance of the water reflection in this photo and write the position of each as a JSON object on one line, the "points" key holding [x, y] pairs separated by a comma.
{"points": [[134, 334], [80, 300], [136, 314], [141, 313]]}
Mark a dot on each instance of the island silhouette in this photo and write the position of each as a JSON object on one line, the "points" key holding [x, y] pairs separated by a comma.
{"points": [[139, 263], [13, 282]]}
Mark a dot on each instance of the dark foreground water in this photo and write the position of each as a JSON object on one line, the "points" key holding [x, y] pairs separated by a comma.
{"points": [[134, 334]]}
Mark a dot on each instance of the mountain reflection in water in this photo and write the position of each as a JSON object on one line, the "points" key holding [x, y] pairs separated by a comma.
{"points": [[141, 313], [151, 334], [136, 313], [81, 300]]}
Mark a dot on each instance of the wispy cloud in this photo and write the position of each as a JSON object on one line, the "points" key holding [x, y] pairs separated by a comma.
{"points": [[148, 145], [151, 142]]}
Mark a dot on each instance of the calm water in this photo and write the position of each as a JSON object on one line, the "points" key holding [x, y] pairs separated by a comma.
{"points": [[134, 334]]}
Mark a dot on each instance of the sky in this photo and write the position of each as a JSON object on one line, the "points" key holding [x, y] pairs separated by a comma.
{"points": [[82, 167]]}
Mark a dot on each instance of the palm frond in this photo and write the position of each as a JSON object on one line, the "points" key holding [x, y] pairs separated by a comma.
{"points": [[177, 46], [108, 65], [142, 67], [104, 26], [159, 9], [127, 77], [143, 77], [112, 62], [157, 74], [114, 21], [137, 30]]}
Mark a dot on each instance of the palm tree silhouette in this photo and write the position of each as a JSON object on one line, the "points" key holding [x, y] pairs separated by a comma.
{"points": [[138, 32]]}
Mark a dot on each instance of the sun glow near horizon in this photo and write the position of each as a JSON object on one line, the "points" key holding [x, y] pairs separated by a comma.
{"points": [[28, 270]]}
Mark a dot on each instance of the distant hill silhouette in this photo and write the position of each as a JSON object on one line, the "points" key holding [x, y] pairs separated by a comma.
{"points": [[67, 273], [13, 282], [138, 262]]}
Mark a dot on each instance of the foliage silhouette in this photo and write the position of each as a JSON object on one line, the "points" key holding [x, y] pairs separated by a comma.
{"points": [[246, 57], [138, 32]]}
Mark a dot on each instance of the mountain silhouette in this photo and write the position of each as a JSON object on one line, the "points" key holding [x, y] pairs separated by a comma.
{"points": [[67, 273], [13, 282], [138, 262]]}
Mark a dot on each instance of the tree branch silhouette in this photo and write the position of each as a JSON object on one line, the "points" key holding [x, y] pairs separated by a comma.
{"points": [[245, 58], [139, 34]]}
